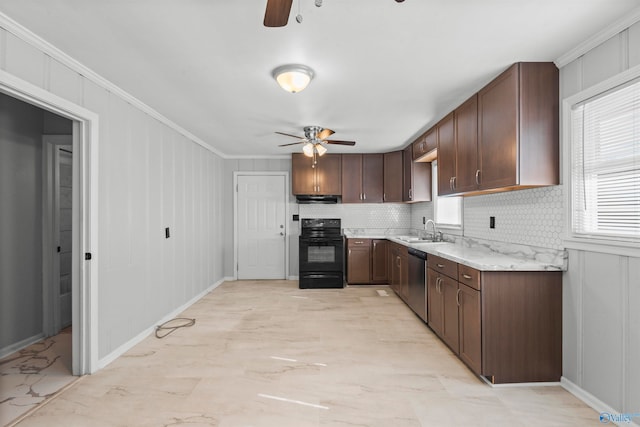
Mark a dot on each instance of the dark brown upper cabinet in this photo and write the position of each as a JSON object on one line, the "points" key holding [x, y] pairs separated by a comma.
{"points": [[362, 178], [416, 182], [518, 128], [393, 177], [446, 154], [323, 179], [425, 146]]}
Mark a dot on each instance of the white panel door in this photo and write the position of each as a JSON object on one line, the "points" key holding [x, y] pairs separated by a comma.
{"points": [[261, 220]]}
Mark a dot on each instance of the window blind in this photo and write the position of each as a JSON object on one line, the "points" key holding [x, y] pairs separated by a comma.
{"points": [[605, 169]]}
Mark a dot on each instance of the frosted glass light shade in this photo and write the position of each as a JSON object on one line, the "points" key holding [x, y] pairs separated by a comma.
{"points": [[307, 149], [293, 77], [320, 149]]}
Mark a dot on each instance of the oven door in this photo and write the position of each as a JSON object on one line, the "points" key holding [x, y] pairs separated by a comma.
{"points": [[319, 254]]}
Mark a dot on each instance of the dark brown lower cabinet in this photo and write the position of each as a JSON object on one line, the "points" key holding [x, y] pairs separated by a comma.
{"points": [[379, 261], [505, 325], [398, 265], [470, 332], [366, 261]]}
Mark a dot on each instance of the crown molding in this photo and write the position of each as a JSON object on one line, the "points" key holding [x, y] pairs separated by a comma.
{"points": [[258, 157], [597, 39], [47, 48]]}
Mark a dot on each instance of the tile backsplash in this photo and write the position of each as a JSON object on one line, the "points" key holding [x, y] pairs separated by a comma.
{"points": [[532, 217], [361, 215]]}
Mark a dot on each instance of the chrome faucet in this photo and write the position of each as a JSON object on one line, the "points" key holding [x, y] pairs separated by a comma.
{"points": [[436, 235]]}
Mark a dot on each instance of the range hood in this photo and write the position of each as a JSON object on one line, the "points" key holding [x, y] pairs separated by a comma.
{"points": [[311, 198]]}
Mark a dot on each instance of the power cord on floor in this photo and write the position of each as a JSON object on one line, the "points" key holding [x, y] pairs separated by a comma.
{"points": [[182, 322]]}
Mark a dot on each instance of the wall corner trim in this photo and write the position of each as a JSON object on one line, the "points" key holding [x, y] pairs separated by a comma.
{"points": [[597, 39], [47, 48]]}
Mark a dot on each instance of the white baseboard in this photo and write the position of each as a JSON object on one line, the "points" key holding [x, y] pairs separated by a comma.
{"points": [[10, 349], [293, 278], [597, 404], [144, 334]]}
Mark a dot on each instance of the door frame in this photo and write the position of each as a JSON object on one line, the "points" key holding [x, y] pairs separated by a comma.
{"points": [[50, 232], [85, 215], [236, 174]]}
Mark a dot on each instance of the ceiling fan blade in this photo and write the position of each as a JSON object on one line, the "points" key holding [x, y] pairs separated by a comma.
{"points": [[293, 143], [277, 13], [325, 133], [333, 141], [292, 136]]}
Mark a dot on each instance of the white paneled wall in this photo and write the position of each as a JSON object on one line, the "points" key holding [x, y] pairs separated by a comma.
{"points": [[151, 176], [601, 324]]}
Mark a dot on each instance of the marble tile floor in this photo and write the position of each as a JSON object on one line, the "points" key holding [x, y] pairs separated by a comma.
{"points": [[267, 354], [34, 374]]}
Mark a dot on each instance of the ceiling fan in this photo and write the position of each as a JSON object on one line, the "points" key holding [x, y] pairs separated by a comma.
{"points": [[314, 139], [277, 13]]}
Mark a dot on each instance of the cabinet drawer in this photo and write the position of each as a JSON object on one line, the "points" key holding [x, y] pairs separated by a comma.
{"points": [[444, 266], [357, 243], [469, 276]]}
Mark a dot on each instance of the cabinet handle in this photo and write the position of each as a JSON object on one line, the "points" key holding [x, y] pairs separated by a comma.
{"points": [[478, 177], [358, 242], [398, 261], [453, 183], [466, 276], [440, 265], [458, 297], [349, 252], [375, 244], [384, 197], [364, 196], [410, 193]]}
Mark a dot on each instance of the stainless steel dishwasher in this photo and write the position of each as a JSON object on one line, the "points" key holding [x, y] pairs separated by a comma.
{"points": [[417, 297]]}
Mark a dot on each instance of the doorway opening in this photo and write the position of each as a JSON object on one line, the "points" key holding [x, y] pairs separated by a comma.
{"points": [[75, 298]]}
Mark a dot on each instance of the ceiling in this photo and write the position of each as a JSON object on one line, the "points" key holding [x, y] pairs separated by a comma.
{"points": [[385, 71]]}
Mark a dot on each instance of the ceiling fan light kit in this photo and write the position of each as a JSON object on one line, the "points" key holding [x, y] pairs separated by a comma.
{"points": [[293, 77]]}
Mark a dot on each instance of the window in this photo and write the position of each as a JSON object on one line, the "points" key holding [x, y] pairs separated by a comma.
{"points": [[605, 165], [447, 211]]}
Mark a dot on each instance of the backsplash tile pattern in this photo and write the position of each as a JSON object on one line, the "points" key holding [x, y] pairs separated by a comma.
{"points": [[419, 210], [361, 215], [529, 217]]}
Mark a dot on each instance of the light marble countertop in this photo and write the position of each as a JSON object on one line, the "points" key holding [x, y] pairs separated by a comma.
{"points": [[482, 255]]}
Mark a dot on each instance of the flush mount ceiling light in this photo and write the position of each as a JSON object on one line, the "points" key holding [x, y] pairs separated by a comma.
{"points": [[293, 77]]}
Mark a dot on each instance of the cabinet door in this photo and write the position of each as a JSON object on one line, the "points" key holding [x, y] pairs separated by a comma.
{"points": [[372, 178], [379, 261], [434, 302], [431, 140], [449, 288], [404, 273], [466, 134], [407, 174], [498, 131], [470, 337], [302, 175], [446, 155], [394, 269], [393, 176], [358, 261], [329, 174], [352, 178]]}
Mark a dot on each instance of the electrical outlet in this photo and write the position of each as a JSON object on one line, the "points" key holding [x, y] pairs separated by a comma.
{"points": [[166, 233], [492, 222]]}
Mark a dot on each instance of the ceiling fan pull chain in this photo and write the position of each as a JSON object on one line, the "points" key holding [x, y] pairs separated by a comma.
{"points": [[299, 15]]}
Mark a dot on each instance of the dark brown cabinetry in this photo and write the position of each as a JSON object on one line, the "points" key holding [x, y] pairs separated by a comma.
{"points": [[398, 269], [379, 261], [506, 326], [518, 128], [425, 145], [323, 179], [416, 182], [504, 137], [362, 178], [446, 155], [366, 261], [393, 176]]}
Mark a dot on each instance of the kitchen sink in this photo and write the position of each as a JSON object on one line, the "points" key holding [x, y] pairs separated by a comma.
{"points": [[416, 239]]}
